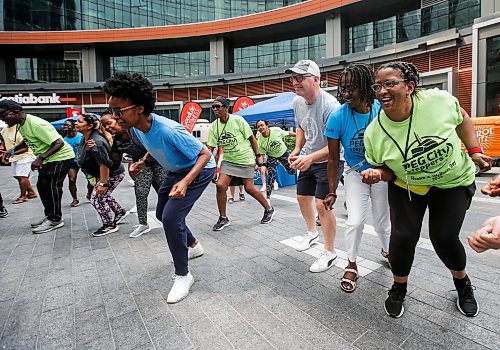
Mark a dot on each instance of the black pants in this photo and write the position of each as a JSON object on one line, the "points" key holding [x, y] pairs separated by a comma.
{"points": [[447, 209], [50, 187], [173, 212]]}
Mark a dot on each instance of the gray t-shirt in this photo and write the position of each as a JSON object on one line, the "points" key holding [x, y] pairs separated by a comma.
{"points": [[312, 119]]}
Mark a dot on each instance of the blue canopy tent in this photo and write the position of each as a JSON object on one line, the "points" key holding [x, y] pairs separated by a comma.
{"points": [[278, 111], [275, 110]]}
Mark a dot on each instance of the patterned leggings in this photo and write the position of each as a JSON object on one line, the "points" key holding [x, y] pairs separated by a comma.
{"points": [[272, 164], [106, 204], [152, 174]]}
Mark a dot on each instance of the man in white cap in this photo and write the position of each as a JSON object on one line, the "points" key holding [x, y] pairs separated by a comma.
{"points": [[312, 106]]}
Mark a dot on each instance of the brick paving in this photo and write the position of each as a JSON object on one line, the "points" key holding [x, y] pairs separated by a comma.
{"points": [[69, 290]]}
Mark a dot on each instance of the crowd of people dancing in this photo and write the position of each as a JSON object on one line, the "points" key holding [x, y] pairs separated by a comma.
{"points": [[396, 146]]}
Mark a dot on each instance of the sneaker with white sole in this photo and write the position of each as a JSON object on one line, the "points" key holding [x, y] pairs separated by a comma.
{"points": [[133, 209], [48, 226], [120, 217], [105, 230], [140, 230], [307, 241], [275, 186], [38, 222], [3, 212], [180, 289], [325, 260], [196, 251]]}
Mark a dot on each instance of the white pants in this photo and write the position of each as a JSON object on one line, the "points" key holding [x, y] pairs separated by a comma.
{"points": [[357, 198]]}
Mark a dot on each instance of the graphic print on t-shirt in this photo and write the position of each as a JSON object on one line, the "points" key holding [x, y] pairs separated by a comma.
{"points": [[429, 154], [357, 143], [310, 128], [274, 147], [228, 141]]}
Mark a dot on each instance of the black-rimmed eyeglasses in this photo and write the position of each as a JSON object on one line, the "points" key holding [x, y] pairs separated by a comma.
{"points": [[117, 111]]}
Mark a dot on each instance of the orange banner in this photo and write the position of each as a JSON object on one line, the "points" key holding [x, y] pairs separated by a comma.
{"points": [[190, 114], [242, 103]]}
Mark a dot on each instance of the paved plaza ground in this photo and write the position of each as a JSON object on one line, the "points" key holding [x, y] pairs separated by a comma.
{"points": [[68, 290]]}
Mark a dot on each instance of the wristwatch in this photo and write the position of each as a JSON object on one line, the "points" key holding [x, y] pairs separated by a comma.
{"points": [[102, 184]]}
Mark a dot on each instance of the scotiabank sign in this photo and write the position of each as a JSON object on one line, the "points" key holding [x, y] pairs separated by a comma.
{"points": [[32, 99]]}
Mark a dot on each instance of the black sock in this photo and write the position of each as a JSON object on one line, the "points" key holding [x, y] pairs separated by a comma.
{"points": [[400, 285], [460, 283]]}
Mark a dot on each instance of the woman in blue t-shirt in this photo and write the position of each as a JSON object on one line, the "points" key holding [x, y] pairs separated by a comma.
{"points": [[346, 127], [189, 167]]}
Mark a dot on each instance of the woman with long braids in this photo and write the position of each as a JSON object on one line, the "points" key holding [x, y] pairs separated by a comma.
{"points": [[152, 174], [96, 162], [414, 144], [274, 149], [346, 126]]}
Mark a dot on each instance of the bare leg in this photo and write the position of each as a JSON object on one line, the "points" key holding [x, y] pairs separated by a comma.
{"points": [[222, 185], [255, 193], [22, 186], [307, 210], [328, 224], [72, 175]]}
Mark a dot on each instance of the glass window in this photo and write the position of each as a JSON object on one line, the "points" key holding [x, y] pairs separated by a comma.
{"points": [[44, 70], [493, 76], [408, 26], [435, 18], [361, 37], [384, 32]]}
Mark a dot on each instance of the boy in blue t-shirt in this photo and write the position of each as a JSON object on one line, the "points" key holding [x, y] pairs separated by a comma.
{"points": [[73, 138], [346, 126], [190, 168]]}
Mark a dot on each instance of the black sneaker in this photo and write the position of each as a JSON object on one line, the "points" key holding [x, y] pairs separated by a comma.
{"points": [[221, 223], [268, 216], [3, 212], [393, 305], [105, 229], [466, 303], [119, 217]]}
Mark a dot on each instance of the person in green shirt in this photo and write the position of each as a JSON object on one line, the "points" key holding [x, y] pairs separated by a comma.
{"points": [[54, 158], [272, 146], [240, 151], [414, 144]]}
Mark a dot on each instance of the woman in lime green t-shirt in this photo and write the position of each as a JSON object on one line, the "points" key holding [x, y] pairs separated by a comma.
{"points": [[414, 144], [274, 149]]}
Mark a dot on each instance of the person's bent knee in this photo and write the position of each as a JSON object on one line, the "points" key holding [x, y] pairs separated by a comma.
{"points": [[171, 222], [221, 188]]}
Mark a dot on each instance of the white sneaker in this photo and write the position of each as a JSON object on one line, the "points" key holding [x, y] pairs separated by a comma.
{"points": [[140, 230], [196, 251], [324, 262], [263, 188], [48, 226], [133, 209], [275, 186], [307, 241], [180, 289]]}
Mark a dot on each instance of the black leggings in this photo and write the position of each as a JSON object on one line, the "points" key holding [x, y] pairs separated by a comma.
{"points": [[447, 209], [272, 164]]}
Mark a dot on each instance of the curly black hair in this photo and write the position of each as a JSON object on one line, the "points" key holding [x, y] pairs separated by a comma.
{"points": [[132, 86], [362, 78], [408, 71]]}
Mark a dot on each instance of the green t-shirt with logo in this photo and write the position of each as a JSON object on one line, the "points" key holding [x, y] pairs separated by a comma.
{"points": [[432, 156], [273, 146], [39, 135], [232, 137]]}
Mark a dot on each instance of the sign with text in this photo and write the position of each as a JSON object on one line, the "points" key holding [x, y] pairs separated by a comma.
{"points": [[190, 114], [242, 103], [73, 112]]}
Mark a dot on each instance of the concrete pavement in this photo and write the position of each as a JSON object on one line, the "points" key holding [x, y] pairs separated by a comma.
{"points": [[69, 290]]}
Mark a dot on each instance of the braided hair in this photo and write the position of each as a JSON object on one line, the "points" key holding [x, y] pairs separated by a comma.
{"points": [[362, 78], [408, 71]]}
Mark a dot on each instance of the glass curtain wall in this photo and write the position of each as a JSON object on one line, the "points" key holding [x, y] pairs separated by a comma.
{"points": [[43, 70], [413, 24], [28, 15], [279, 54], [160, 66], [493, 76]]}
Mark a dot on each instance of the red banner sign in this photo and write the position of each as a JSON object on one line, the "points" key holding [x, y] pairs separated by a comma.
{"points": [[242, 103], [190, 114], [73, 112]]}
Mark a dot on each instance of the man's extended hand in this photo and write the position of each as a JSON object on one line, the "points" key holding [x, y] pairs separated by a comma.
{"points": [[178, 190]]}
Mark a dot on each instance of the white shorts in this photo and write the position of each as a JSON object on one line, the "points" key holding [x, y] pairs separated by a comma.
{"points": [[22, 167]]}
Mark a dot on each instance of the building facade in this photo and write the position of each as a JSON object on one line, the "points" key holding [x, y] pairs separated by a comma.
{"points": [[57, 53]]}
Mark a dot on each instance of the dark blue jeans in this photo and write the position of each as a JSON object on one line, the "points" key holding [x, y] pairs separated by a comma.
{"points": [[173, 212]]}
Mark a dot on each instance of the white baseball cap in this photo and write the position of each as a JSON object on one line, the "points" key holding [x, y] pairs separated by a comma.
{"points": [[305, 67]]}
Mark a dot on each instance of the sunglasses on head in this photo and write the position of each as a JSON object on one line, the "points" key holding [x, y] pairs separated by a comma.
{"points": [[117, 111]]}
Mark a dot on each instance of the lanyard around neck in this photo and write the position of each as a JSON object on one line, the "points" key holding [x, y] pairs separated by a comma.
{"points": [[222, 132], [370, 118], [407, 144]]}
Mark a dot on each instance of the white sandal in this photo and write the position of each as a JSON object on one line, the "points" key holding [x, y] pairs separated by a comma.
{"points": [[352, 283]]}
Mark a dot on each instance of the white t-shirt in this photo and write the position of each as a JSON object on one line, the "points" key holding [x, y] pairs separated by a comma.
{"points": [[312, 119]]}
